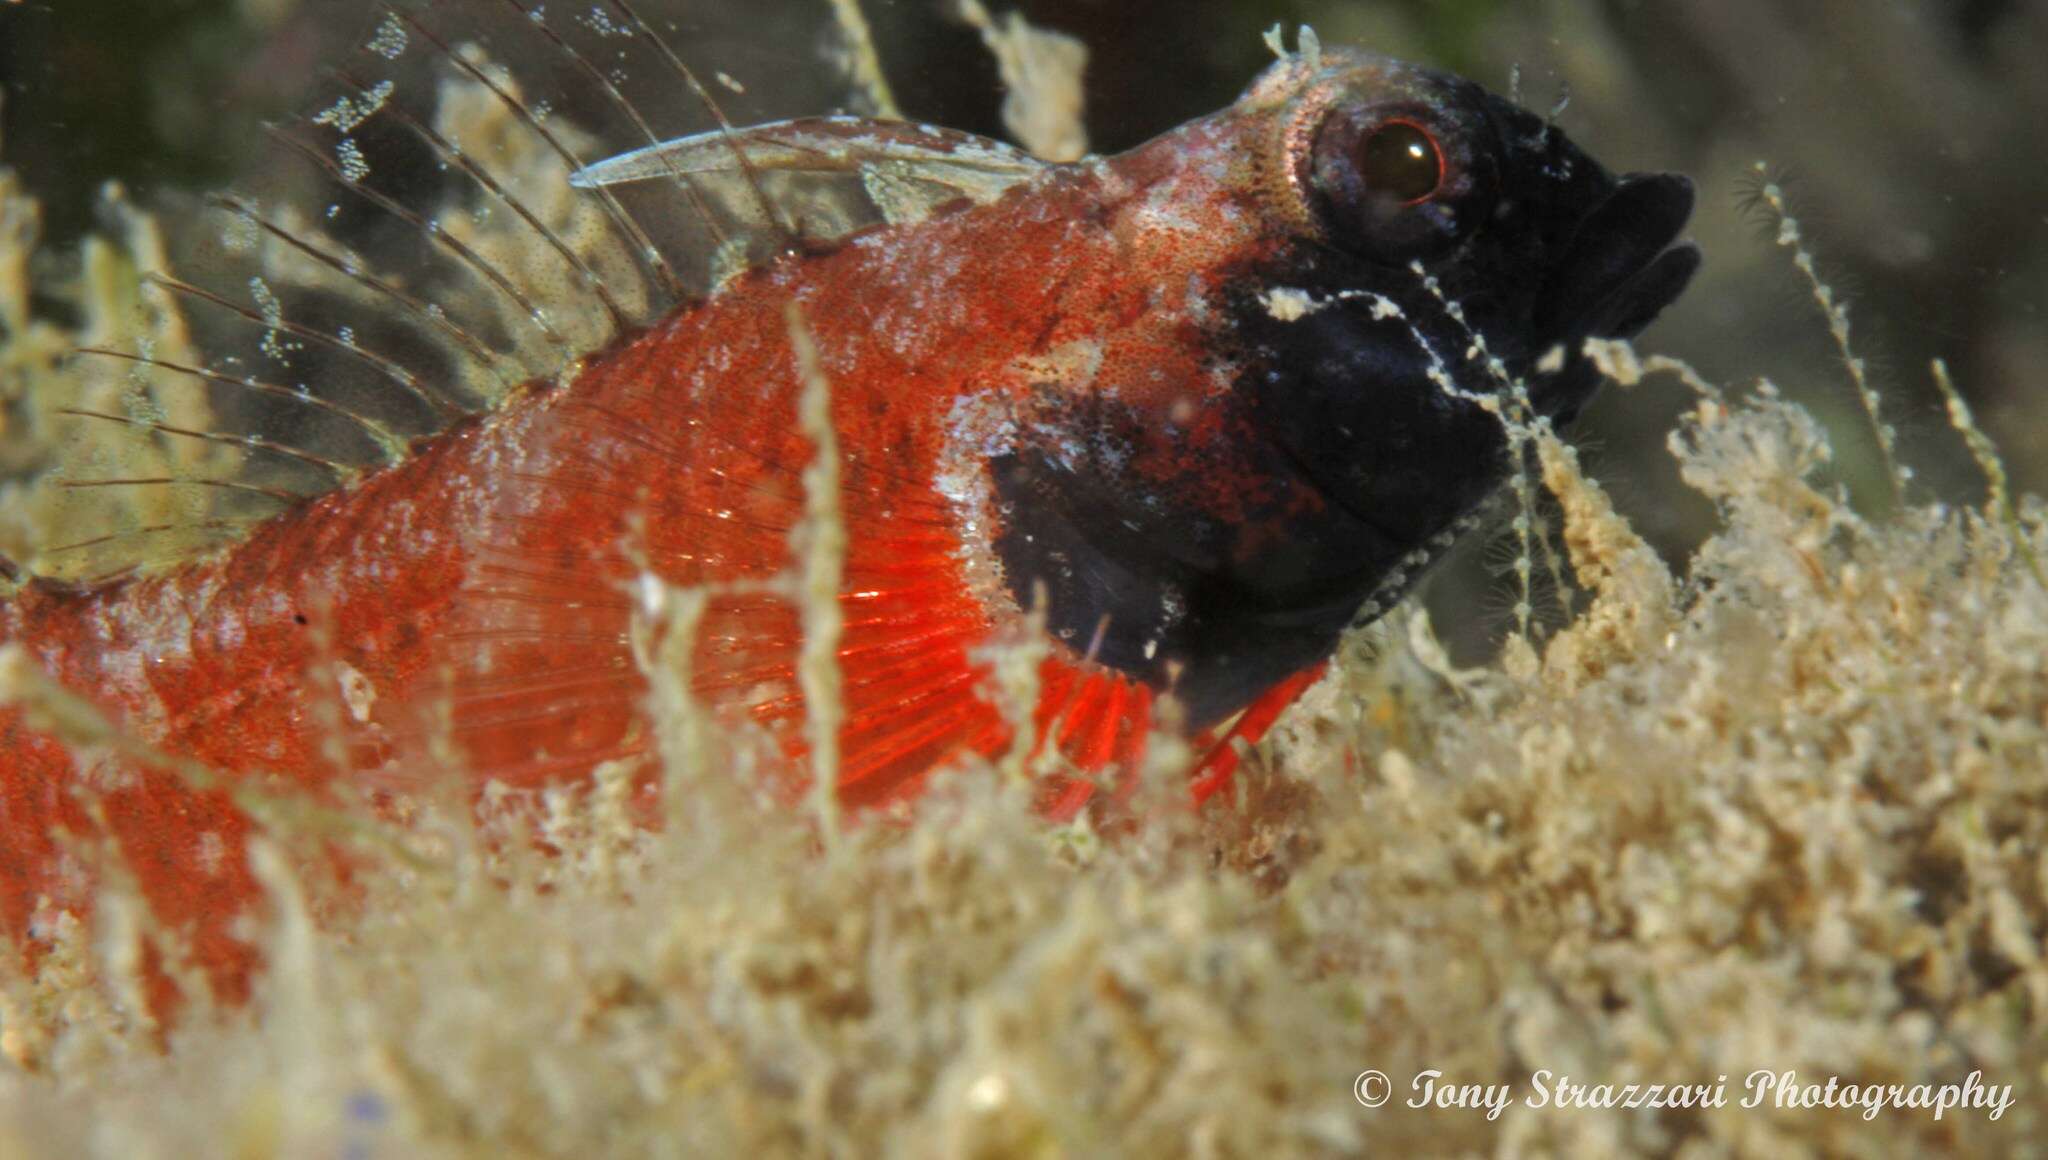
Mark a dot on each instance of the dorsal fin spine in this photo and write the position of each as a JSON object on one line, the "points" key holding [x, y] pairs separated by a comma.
{"points": [[476, 262], [483, 177], [642, 246], [284, 497], [386, 439], [699, 204], [342, 471], [434, 319], [403, 378], [787, 231]]}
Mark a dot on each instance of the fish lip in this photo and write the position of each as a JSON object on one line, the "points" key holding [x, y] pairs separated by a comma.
{"points": [[1626, 261], [1637, 301]]}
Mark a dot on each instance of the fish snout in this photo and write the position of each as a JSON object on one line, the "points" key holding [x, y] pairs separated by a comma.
{"points": [[1624, 264]]}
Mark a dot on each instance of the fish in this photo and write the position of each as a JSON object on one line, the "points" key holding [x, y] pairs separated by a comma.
{"points": [[1189, 412]]}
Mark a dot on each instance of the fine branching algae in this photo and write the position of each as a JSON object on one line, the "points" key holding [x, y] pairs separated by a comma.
{"points": [[1776, 805]]}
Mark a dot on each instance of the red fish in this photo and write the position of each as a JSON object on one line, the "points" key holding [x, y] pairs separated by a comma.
{"points": [[1202, 400]]}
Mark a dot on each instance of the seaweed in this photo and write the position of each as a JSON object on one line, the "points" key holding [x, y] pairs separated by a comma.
{"points": [[1776, 803]]}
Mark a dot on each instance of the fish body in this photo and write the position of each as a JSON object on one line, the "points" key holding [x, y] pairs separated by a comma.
{"points": [[1201, 404]]}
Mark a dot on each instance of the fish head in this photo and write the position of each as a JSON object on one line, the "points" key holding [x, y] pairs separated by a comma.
{"points": [[1395, 266], [1444, 256]]}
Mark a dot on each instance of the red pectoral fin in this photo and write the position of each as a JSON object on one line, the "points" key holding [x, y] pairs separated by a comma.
{"points": [[1101, 723], [1217, 767]]}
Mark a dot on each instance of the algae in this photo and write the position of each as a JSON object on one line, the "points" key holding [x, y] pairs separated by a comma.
{"points": [[1776, 804]]}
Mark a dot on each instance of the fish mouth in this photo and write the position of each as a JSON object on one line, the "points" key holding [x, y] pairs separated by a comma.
{"points": [[1624, 264]]}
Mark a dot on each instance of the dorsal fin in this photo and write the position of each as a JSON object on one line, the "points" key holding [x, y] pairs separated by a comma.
{"points": [[406, 252]]}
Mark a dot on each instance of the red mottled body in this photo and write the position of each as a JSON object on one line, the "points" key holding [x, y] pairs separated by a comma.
{"points": [[492, 571]]}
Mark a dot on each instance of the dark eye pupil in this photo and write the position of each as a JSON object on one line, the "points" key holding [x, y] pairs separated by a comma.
{"points": [[1400, 161]]}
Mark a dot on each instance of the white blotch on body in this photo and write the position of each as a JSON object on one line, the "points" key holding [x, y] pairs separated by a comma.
{"points": [[356, 691]]}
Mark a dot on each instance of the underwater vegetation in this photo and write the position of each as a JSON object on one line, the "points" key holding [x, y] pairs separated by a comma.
{"points": [[1771, 798]]}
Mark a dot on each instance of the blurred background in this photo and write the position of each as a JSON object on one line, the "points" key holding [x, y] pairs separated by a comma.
{"points": [[1908, 134]]}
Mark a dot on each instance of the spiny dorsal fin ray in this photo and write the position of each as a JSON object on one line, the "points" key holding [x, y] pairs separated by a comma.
{"points": [[448, 154], [388, 443], [411, 251], [769, 212], [462, 252]]}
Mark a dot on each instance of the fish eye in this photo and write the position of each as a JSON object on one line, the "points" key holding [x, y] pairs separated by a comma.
{"points": [[1390, 184], [1401, 160]]}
